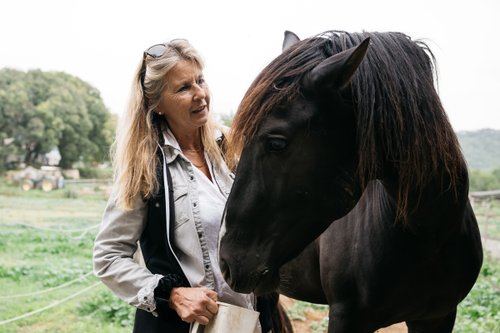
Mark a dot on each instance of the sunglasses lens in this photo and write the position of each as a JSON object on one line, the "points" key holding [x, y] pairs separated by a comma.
{"points": [[156, 51]]}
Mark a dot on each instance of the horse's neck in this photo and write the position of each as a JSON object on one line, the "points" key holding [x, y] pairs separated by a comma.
{"points": [[437, 203]]}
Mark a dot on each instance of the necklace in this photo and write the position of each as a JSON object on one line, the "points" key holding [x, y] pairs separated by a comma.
{"points": [[195, 150], [197, 153], [201, 165]]}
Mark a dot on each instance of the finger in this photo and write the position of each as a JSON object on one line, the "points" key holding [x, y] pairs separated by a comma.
{"points": [[212, 295], [212, 307], [203, 320], [187, 317], [201, 317]]}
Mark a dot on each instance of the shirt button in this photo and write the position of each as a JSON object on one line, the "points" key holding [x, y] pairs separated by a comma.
{"points": [[194, 204], [191, 177]]}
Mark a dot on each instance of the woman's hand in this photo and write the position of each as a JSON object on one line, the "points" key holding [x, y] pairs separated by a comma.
{"points": [[194, 304]]}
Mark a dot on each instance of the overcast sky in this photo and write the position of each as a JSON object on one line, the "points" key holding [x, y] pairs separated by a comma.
{"points": [[102, 42]]}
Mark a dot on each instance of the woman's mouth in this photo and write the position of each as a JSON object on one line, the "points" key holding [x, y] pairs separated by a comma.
{"points": [[200, 109]]}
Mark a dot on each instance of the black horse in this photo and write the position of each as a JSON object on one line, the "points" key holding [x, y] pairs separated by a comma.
{"points": [[348, 128]]}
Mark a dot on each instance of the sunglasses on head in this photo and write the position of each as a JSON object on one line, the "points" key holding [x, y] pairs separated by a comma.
{"points": [[155, 51], [158, 50]]}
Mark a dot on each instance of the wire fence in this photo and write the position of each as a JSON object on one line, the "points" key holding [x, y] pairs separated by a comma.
{"points": [[39, 292], [487, 210], [54, 304]]}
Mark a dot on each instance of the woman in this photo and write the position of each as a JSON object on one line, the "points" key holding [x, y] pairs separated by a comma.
{"points": [[171, 184]]}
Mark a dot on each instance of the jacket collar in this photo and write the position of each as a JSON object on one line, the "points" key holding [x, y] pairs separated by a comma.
{"points": [[172, 146]]}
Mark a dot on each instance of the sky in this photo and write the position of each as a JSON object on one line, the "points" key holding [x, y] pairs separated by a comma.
{"points": [[102, 42]]}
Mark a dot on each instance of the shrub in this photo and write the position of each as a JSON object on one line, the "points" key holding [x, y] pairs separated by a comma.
{"points": [[95, 173], [108, 308]]}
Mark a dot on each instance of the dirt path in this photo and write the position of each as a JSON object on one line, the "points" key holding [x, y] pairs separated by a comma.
{"points": [[303, 326], [396, 328]]}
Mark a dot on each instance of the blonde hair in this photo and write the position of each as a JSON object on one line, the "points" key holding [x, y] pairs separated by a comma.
{"points": [[138, 135]]}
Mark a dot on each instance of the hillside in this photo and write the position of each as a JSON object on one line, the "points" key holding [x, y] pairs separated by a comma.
{"points": [[481, 148]]}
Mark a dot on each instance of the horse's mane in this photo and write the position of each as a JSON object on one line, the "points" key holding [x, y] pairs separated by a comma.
{"points": [[400, 118]]}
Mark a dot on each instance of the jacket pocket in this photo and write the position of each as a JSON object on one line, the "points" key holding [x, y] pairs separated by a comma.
{"points": [[181, 201]]}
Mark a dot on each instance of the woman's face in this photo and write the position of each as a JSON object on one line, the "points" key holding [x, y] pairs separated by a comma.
{"points": [[185, 100]]}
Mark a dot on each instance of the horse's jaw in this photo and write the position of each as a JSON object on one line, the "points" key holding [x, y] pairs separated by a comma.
{"points": [[251, 263], [259, 281]]}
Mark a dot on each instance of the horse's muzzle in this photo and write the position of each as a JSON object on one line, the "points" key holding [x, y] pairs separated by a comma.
{"points": [[260, 281]]}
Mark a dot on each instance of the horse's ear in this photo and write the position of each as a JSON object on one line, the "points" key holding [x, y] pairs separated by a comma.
{"points": [[336, 71], [290, 39]]}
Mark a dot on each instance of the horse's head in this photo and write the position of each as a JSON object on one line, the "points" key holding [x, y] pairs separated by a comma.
{"points": [[297, 129]]}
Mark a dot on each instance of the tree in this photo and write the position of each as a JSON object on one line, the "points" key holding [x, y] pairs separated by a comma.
{"points": [[42, 110], [483, 180]]}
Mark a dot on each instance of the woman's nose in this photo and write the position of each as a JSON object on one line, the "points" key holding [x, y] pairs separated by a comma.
{"points": [[199, 92]]}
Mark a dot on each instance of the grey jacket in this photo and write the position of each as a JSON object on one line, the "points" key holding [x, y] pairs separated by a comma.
{"points": [[117, 239]]}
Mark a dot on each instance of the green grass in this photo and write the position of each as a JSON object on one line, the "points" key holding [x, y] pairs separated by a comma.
{"points": [[298, 313], [480, 311], [46, 240]]}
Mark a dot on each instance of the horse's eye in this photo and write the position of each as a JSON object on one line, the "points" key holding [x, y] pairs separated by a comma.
{"points": [[276, 144]]}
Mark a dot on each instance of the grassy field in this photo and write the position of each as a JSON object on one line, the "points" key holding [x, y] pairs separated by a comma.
{"points": [[45, 268], [45, 242]]}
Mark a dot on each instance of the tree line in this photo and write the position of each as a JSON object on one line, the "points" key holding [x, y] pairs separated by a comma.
{"points": [[484, 180], [481, 148], [40, 111]]}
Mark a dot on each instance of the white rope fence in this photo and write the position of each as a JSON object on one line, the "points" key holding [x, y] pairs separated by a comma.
{"points": [[56, 303], [83, 232], [78, 279]]}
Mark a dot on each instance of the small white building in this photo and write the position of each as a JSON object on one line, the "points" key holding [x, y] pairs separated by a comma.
{"points": [[53, 157]]}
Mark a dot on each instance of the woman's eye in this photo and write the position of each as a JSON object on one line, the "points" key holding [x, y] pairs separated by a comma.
{"points": [[201, 81], [276, 144]]}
